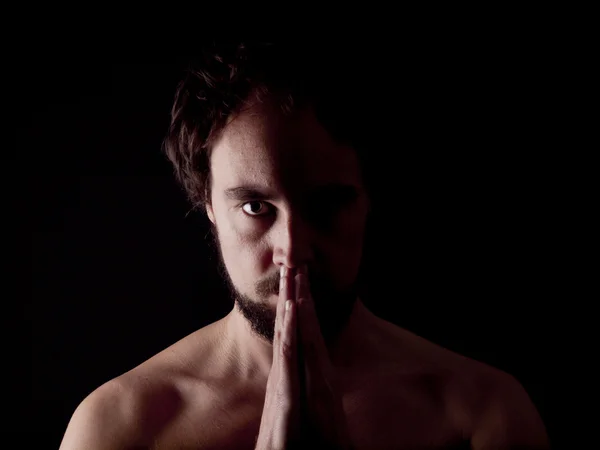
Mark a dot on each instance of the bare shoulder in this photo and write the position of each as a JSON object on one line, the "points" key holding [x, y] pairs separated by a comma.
{"points": [[489, 404], [119, 414], [133, 408], [506, 416]]}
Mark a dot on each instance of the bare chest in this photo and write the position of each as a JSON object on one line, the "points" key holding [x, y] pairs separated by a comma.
{"points": [[392, 410], [386, 417], [379, 415]]}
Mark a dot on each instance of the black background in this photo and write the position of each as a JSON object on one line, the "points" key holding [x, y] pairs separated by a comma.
{"points": [[464, 253]]}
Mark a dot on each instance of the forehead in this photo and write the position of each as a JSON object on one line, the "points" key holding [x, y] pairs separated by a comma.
{"points": [[261, 146]]}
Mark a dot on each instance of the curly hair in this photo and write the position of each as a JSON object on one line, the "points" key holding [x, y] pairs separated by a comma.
{"points": [[222, 81]]}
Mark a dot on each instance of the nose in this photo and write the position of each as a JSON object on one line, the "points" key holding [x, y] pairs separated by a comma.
{"points": [[293, 243]]}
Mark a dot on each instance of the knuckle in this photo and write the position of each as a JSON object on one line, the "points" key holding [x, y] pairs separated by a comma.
{"points": [[282, 399], [286, 349]]}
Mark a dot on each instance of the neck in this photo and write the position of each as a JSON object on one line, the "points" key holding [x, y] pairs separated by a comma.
{"points": [[254, 354]]}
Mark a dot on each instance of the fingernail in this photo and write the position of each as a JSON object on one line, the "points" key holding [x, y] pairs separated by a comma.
{"points": [[283, 271], [287, 304]]}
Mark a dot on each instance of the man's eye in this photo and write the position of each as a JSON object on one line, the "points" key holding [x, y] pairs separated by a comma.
{"points": [[255, 208]]}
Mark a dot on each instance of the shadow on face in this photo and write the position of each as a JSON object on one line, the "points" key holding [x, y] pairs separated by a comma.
{"points": [[284, 192]]}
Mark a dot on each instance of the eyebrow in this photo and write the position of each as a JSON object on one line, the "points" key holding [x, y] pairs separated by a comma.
{"points": [[246, 193], [249, 192], [337, 190]]}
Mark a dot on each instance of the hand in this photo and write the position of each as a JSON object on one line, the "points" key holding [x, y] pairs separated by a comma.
{"points": [[325, 412], [280, 422]]}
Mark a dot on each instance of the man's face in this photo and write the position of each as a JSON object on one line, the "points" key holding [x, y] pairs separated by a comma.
{"points": [[285, 193]]}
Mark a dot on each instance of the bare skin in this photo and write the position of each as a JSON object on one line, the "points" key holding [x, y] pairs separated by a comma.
{"points": [[399, 391], [274, 181]]}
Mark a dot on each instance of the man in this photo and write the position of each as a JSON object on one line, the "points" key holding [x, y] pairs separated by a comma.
{"points": [[265, 139]]}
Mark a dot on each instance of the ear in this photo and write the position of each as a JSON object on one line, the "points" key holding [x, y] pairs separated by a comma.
{"points": [[210, 213]]}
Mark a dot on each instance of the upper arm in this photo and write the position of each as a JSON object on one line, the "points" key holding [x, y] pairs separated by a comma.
{"points": [[510, 420], [100, 421]]}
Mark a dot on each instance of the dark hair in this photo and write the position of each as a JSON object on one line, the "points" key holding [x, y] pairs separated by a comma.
{"points": [[221, 82]]}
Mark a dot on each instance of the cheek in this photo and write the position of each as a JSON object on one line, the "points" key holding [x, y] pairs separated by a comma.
{"points": [[236, 234], [351, 225], [347, 247], [242, 251]]}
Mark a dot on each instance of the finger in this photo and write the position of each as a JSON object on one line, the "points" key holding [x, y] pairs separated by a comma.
{"points": [[323, 399], [279, 311], [286, 291], [289, 349], [288, 385], [312, 339]]}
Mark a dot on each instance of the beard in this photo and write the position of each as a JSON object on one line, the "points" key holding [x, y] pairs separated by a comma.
{"points": [[333, 306]]}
